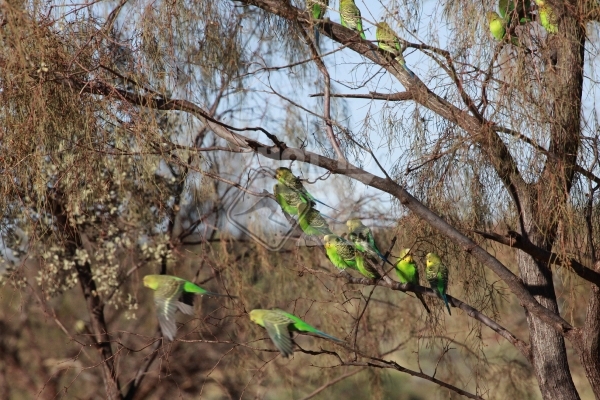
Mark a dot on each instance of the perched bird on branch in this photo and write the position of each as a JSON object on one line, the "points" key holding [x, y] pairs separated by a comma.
{"points": [[437, 276], [407, 272]]}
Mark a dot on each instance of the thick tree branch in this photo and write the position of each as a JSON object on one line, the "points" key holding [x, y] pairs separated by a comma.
{"points": [[516, 240]]}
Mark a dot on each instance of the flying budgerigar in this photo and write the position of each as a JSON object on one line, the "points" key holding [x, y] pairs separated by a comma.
{"points": [[350, 17], [317, 10], [168, 290], [279, 325], [343, 254], [437, 276], [388, 41], [363, 239], [547, 16], [312, 222], [287, 178], [289, 199], [408, 272]]}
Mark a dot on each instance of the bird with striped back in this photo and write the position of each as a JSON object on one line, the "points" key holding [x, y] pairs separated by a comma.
{"points": [[389, 42], [343, 254], [363, 239], [436, 273], [279, 325], [291, 181], [168, 291]]}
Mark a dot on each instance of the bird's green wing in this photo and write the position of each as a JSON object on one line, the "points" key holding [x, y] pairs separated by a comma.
{"points": [[190, 287], [276, 325], [364, 268]]}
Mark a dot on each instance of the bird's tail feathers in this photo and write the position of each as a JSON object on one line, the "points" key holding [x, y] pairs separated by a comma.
{"points": [[446, 301], [420, 297]]}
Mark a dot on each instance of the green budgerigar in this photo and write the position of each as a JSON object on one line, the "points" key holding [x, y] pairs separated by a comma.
{"points": [[408, 272], [497, 27], [343, 254], [363, 239], [547, 16], [288, 199], [496, 24], [317, 10], [437, 276], [388, 41], [168, 291], [287, 178], [350, 17], [279, 325], [312, 222]]}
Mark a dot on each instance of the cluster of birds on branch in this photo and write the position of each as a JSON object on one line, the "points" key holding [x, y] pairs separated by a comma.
{"points": [[512, 13], [358, 252], [350, 17]]}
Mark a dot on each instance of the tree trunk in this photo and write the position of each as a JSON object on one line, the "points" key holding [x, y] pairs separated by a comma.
{"points": [[589, 353], [547, 346]]}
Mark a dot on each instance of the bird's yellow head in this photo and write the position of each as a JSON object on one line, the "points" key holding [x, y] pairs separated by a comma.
{"points": [[406, 256], [282, 173], [492, 16], [151, 282], [539, 2], [329, 239], [353, 224], [256, 316], [432, 258]]}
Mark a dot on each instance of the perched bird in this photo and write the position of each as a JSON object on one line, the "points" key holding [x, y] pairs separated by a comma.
{"points": [[343, 254], [548, 18], [317, 9], [407, 272], [497, 25], [498, 28], [288, 199], [287, 178], [168, 290], [311, 221], [437, 276], [510, 8], [279, 325], [350, 17], [388, 41], [363, 239]]}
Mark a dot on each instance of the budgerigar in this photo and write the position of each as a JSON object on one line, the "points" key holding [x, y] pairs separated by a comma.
{"points": [[408, 272], [287, 178], [317, 10], [388, 41], [343, 254], [312, 222], [288, 199], [279, 325], [498, 28], [437, 276], [497, 25], [168, 290], [547, 16], [350, 17], [363, 239]]}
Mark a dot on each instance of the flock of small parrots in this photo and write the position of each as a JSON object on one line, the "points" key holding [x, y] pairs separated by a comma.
{"points": [[521, 11], [358, 252]]}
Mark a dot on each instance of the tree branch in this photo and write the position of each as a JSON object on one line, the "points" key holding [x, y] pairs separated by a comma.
{"points": [[516, 240]]}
